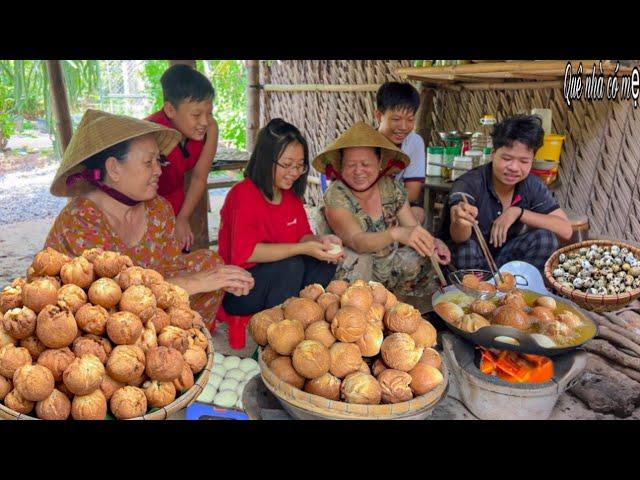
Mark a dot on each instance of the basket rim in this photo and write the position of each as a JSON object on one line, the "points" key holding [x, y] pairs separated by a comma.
{"points": [[163, 413], [304, 400], [590, 298]]}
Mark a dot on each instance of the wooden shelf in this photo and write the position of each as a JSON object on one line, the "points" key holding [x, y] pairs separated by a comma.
{"points": [[506, 75]]}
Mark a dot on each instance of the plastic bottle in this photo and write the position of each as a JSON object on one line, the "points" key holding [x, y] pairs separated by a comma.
{"points": [[434, 161]]}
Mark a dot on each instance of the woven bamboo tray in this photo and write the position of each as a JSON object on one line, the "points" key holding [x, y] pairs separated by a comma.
{"points": [[305, 405], [183, 401], [588, 301]]}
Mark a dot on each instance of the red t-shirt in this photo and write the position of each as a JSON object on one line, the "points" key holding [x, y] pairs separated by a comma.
{"points": [[247, 219], [171, 185]]}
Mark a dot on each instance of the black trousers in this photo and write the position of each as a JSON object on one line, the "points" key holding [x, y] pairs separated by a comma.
{"points": [[277, 281], [534, 247]]}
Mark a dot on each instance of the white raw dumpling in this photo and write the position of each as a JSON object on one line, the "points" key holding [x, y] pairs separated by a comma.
{"points": [[239, 404], [231, 362], [249, 376], [226, 399], [215, 380], [207, 394], [248, 364], [236, 374], [240, 389], [218, 358], [219, 369], [228, 384]]}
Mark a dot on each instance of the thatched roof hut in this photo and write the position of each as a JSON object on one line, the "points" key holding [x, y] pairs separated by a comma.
{"points": [[600, 162]]}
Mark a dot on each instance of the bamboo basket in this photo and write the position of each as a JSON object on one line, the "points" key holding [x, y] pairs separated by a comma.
{"points": [[588, 301], [305, 405], [183, 401]]}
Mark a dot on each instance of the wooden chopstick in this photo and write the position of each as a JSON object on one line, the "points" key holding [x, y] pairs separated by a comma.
{"points": [[485, 248], [436, 267]]}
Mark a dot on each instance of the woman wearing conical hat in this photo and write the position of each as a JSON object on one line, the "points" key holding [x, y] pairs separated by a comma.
{"points": [[111, 170], [369, 211]]}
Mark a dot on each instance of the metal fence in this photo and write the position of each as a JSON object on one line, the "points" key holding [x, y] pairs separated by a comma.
{"points": [[122, 88]]}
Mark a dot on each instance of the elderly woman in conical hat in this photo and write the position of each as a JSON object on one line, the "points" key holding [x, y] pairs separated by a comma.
{"points": [[111, 170], [369, 211]]}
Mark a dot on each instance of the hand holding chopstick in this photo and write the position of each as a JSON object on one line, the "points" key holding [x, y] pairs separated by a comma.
{"points": [[483, 244]]}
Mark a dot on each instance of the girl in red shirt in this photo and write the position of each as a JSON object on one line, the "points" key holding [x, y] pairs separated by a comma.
{"points": [[264, 227]]}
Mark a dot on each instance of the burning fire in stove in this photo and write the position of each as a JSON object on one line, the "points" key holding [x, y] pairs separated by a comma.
{"points": [[516, 367]]}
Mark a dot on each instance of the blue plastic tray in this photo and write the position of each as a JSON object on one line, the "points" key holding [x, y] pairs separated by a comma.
{"points": [[196, 411]]}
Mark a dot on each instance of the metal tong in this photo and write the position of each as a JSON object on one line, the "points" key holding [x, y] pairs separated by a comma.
{"points": [[483, 245]]}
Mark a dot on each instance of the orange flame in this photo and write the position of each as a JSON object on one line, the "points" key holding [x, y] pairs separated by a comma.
{"points": [[516, 368]]}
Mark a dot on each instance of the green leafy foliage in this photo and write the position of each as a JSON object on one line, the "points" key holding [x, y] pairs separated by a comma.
{"points": [[24, 92], [153, 70]]}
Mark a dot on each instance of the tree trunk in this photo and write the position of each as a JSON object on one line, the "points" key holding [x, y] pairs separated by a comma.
{"points": [[199, 220], [60, 103], [253, 102]]}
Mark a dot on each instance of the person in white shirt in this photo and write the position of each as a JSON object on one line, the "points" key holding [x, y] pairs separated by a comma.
{"points": [[396, 107]]}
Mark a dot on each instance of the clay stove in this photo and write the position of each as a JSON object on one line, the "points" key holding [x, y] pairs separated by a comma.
{"points": [[491, 398]]}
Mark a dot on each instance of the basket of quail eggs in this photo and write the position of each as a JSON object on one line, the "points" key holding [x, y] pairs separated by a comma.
{"points": [[598, 275], [95, 337], [352, 351]]}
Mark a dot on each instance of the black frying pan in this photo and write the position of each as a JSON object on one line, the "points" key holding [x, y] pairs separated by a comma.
{"points": [[486, 336]]}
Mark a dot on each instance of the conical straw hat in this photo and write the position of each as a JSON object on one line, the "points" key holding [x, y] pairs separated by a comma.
{"points": [[98, 131], [362, 135]]}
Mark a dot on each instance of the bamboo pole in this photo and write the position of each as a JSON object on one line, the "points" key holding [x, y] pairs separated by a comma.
{"points": [[371, 87], [60, 103], [512, 85], [524, 67], [253, 102]]}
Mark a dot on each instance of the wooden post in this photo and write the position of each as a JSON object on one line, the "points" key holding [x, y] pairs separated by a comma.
{"points": [[199, 220], [424, 120], [59, 102], [424, 125], [253, 102]]}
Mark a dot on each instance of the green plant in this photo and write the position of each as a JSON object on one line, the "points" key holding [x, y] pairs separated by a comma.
{"points": [[153, 70]]}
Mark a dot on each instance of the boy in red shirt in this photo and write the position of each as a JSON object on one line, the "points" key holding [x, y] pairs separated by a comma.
{"points": [[188, 103]]}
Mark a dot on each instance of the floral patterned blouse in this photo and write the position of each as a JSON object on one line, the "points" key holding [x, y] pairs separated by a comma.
{"points": [[392, 195], [82, 225]]}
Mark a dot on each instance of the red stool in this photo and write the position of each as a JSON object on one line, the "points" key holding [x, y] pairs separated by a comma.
{"points": [[237, 327]]}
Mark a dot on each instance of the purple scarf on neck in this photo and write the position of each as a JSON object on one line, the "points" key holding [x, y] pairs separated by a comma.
{"points": [[92, 175]]}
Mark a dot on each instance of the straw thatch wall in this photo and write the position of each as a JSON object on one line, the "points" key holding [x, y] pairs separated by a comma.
{"points": [[600, 162]]}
